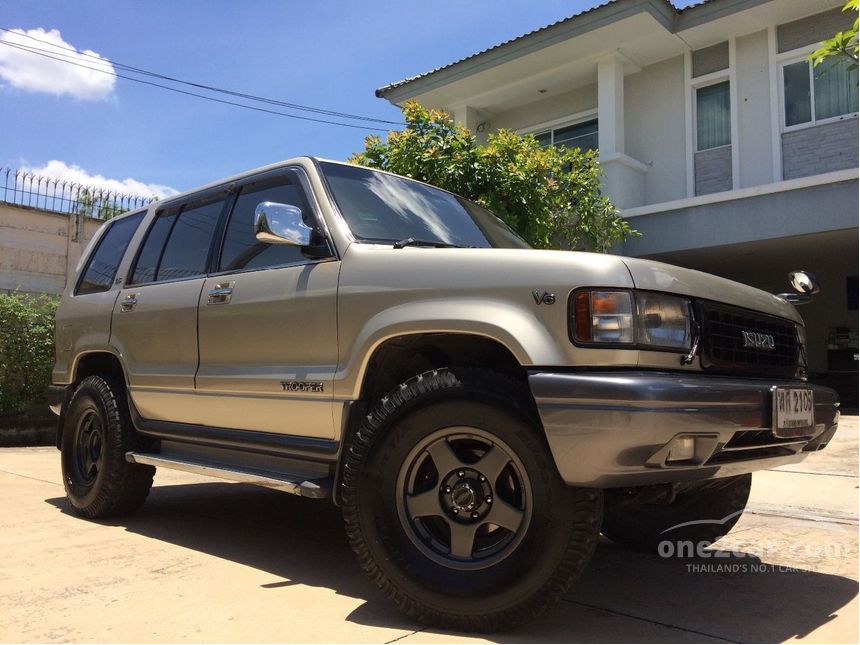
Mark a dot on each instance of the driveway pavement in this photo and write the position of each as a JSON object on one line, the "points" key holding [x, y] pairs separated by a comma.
{"points": [[211, 561]]}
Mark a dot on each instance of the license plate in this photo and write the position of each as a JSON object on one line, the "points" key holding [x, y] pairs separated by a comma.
{"points": [[793, 412]]}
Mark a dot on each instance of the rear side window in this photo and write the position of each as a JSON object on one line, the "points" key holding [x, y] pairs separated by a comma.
{"points": [[177, 245], [241, 249], [188, 245], [102, 267], [147, 261]]}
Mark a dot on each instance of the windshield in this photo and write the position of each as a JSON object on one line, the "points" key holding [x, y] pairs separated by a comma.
{"points": [[383, 208]]}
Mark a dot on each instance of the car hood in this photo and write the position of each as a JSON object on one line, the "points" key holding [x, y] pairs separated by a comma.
{"points": [[657, 276]]}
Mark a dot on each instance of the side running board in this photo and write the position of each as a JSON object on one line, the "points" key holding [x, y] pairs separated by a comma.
{"points": [[314, 488]]}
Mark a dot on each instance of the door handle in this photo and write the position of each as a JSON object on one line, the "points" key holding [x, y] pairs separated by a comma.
{"points": [[221, 294], [129, 302]]}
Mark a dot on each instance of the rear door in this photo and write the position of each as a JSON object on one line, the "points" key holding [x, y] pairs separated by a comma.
{"points": [[155, 317], [83, 320], [268, 322]]}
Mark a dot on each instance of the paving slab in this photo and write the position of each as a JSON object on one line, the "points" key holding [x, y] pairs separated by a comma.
{"points": [[211, 561]]}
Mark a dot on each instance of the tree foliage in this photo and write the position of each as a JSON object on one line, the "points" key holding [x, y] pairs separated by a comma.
{"points": [[550, 196], [93, 205], [843, 45], [26, 349]]}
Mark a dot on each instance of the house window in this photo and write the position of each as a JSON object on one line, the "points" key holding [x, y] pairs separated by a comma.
{"points": [[581, 135], [812, 94], [713, 116]]}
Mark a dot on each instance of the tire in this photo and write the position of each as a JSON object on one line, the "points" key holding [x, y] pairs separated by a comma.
{"points": [[97, 432], [440, 431], [644, 525]]}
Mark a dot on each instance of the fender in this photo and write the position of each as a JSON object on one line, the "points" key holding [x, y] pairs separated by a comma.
{"points": [[515, 327]]}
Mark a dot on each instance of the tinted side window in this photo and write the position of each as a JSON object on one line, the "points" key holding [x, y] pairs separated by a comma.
{"points": [[241, 248], [147, 261], [188, 246], [101, 269]]}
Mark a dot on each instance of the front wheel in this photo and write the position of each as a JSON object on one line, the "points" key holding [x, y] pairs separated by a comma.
{"points": [[455, 508]]}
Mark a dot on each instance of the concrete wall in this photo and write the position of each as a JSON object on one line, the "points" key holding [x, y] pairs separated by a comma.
{"points": [[38, 250], [820, 148], [813, 29], [654, 128], [806, 210], [710, 59], [525, 117], [713, 170], [755, 152]]}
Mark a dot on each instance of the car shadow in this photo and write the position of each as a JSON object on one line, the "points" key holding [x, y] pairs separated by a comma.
{"points": [[623, 597]]}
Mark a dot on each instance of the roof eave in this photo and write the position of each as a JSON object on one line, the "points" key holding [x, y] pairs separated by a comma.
{"points": [[613, 11]]}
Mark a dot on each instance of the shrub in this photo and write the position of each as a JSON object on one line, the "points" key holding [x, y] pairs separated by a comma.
{"points": [[550, 196], [26, 349]]}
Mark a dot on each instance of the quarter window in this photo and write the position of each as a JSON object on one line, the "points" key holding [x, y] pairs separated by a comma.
{"points": [[813, 93], [102, 267], [579, 135], [241, 249], [713, 116]]}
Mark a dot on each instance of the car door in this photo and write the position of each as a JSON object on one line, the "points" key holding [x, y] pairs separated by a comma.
{"points": [[83, 320], [155, 317], [268, 321]]}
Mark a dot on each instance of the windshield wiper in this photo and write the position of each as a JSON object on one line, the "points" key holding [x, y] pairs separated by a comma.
{"points": [[411, 241]]}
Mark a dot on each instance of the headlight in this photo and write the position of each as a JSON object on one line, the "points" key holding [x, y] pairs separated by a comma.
{"points": [[635, 318], [603, 317], [664, 320]]}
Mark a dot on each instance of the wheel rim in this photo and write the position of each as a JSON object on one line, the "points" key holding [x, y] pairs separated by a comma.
{"points": [[464, 498], [88, 446]]}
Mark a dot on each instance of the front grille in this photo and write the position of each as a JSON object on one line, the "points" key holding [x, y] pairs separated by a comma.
{"points": [[723, 342]]}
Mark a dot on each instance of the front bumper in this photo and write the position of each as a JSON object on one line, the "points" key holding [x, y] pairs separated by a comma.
{"points": [[615, 429]]}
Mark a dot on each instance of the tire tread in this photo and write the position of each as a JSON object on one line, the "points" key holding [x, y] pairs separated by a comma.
{"points": [[585, 506], [124, 486]]}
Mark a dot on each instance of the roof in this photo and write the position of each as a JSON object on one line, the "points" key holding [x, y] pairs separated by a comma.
{"points": [[669, 14]]}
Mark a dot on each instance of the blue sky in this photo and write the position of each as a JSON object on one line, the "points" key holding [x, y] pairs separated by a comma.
{"points": [[325, 54]]}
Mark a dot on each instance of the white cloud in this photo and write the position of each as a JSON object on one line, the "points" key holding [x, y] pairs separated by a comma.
{"points": [[34, 72], [75, 174]]}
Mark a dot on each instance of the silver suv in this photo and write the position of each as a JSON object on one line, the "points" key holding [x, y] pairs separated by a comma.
{"points": [[479, 410]]}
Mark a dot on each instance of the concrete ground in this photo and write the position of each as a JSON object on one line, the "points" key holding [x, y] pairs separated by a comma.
{"points": [[217, 562]]}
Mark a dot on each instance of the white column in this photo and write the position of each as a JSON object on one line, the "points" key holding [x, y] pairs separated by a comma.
{"points": [[466, 116], [623, 176], [610, 105], [472, 118]]}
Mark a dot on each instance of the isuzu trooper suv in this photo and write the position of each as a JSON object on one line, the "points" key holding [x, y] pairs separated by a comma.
{"points": [[479, 410]]}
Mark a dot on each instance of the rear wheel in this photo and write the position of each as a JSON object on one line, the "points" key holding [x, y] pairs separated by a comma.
{"points": [[699, 513], [97, 433], [455, 508]]}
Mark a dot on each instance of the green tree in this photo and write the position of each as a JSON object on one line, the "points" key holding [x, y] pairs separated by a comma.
{"points": [[26, 349], [550, 196], [93, 205], [843, 45]]}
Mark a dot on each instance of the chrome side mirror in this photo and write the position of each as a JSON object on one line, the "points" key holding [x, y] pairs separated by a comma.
{"points": [[804, 282], [805, 285], [280, 224]]}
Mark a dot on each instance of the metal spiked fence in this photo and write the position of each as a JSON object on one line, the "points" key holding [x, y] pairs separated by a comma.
{"points": [[30, 190]]}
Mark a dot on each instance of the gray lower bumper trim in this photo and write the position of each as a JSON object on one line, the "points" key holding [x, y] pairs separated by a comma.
{"points": [[613, 429]]}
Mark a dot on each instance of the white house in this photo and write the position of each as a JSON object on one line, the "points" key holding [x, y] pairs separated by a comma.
{"points": [[719, 141]]}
